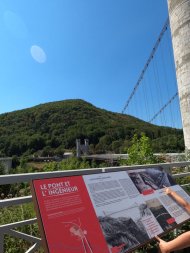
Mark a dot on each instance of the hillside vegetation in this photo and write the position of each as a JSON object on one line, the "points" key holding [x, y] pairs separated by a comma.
{"points": [[54, 127]]}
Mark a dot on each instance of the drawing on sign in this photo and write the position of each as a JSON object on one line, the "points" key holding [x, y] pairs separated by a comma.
{"points": [[150, 179], [80, 234], [165, 220], [122, 228]]}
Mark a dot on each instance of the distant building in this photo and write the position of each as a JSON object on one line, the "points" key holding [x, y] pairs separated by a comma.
{"points": [[82, 148], [7, 163]]}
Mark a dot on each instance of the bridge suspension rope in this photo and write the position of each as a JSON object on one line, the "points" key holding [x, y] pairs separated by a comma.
{"points": [[147, 64], [163, 108]]}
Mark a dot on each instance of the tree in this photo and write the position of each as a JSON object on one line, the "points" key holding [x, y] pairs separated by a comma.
{"points": [[36, 142], [140, 152]]}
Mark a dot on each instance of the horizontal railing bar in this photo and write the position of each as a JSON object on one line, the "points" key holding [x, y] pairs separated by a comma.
{"points": [[179, 175], [27, 199], [184, 185], [5, 227], [27, 177], [23, 236], [33, 248], [163, 165], [166, 166], [15, 201]]}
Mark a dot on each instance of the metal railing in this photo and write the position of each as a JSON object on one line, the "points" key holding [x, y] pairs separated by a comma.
{"points": [[9, 229]]}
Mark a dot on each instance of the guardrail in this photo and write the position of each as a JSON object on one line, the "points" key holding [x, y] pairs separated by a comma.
{"points": [[19, 178]]}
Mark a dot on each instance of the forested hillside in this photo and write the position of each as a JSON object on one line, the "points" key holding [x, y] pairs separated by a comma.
{"points": [[54, 127]]}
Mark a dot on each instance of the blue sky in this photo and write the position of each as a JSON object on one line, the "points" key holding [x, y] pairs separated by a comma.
{"points": [[70, 49]]}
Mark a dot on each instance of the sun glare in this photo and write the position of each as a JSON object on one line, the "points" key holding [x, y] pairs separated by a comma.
{"points": [[38, 54]]}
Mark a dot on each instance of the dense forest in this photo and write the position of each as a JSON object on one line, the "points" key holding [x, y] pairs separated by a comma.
{"points": [[54, 127]]}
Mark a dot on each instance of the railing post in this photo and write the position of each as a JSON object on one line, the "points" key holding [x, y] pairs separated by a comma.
{"points": [[1, 242]]}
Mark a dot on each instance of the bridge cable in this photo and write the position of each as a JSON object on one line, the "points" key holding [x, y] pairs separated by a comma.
{"points": [[163, 108], [145, 94], [147, 64], [165, 73], [157, 82]]}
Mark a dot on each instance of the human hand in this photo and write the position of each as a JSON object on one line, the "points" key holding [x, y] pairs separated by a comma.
{"points": [[163, 246], [167, 190]]}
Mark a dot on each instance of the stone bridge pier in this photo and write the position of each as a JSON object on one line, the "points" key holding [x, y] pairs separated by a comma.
{"points": [[179, 14]]}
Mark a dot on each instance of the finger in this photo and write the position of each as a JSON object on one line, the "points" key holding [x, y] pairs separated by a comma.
{"points": [[157, 238], [165, 189]]}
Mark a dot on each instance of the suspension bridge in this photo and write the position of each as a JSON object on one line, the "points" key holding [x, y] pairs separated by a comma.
{"points": [[154, 97], [162, 85]]}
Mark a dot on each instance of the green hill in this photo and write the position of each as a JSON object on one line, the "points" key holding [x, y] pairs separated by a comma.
{"points": [[55, 126]]}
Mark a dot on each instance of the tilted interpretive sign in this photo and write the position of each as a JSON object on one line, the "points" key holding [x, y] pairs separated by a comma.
{"points": [[112, 212]]}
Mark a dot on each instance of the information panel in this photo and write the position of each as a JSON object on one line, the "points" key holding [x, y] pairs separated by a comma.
{"points": [[112, 212]]}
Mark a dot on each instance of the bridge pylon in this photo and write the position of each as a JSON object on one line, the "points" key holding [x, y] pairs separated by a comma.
{"points": [[179, 14]]}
